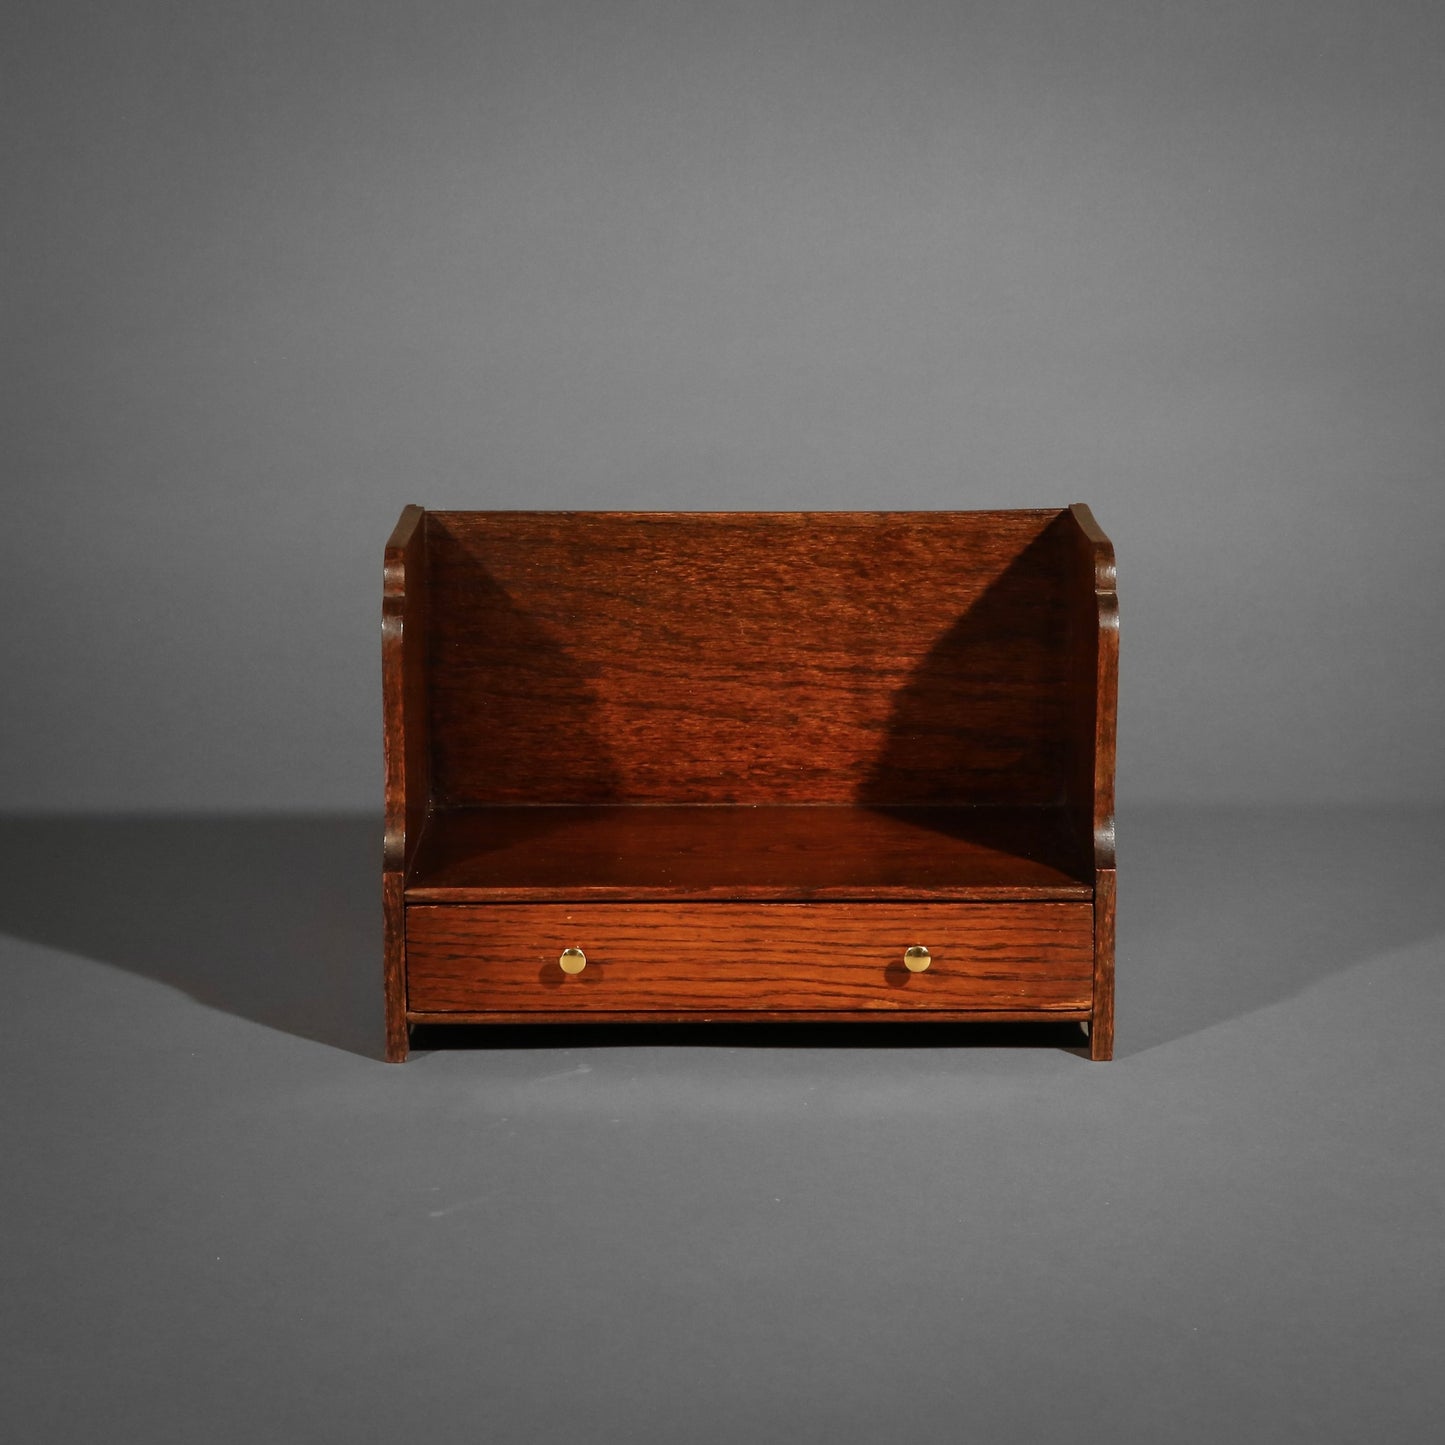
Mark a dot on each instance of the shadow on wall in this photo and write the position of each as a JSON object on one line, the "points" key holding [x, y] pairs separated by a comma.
{"points": [[1223, 912], [277, 920]]}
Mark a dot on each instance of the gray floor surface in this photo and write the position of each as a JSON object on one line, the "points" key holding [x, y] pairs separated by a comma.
{"points": [[226, 1220]]}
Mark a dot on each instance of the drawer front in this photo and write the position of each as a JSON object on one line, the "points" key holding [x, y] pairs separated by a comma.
{"points": [[756, 958]]}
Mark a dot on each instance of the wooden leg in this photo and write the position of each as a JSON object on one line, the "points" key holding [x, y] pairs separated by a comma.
{"points": [[394, 967], [396, 1047], [1101, 1028]]}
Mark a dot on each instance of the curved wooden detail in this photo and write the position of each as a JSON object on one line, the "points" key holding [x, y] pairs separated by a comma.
{"points": [[403, 583], [1103, 685], [404, 745], [1104, 571], [1095, 649]]}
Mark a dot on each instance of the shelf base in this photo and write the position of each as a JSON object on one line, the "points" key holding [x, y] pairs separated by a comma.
{"points": [[760, 854]]}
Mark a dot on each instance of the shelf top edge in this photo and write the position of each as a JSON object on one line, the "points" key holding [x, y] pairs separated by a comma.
{"points": [[430, 895], [837, 515], [1059, 810]]}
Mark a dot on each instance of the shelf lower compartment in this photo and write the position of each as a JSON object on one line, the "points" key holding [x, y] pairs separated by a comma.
{"points": [[764, 853], [720, 960]]}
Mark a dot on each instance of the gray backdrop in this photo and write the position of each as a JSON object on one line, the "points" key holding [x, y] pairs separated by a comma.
{"points": [[274, 270]]}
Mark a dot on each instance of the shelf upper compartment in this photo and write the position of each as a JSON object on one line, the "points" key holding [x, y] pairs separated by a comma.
{"points": [[761, 853], [759, 659]]}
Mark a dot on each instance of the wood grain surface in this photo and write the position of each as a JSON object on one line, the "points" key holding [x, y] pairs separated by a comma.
{"points": [[1094, 706], [747, 1016], [750, 756], [1101, 1026], [713, 957], [824, 657], [405, 746], [779, 853], [404, 646], [1093, 612]]}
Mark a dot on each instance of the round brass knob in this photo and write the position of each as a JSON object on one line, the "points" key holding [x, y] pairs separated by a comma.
{"points": [[573, 960], [916, 959]]}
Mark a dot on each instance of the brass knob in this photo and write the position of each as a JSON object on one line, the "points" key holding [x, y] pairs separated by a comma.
{"points": [[573, 960], [916, 959]]}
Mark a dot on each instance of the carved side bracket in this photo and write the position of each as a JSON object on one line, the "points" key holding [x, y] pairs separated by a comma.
{"points": [[403, 644], [1099, 551]]}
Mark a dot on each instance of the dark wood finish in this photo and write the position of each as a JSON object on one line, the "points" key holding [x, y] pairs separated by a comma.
{"points": [[1101, 1027], [393, 909], [827, 657], [480, 855], [1094, 701], [722, 722], [751, 1016], [712, 957], [1093, 614], [405, 746]]}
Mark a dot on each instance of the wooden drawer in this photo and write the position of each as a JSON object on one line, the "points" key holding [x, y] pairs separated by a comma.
{"points": [[794, 960]]}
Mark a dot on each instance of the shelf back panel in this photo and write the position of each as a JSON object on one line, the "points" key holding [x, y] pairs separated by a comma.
{"points": [[747, 658]]}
